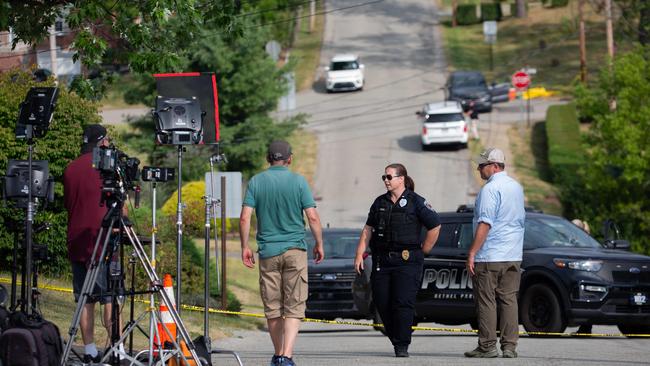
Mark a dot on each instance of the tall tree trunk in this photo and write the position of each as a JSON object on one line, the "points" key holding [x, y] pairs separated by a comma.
{"points": [[521, 9]]}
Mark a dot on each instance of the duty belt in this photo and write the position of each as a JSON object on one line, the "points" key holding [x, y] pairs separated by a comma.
{"points": [[404, 254]]}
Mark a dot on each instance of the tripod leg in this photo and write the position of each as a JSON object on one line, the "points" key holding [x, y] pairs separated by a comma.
{"points": [[155, 281], [87, 288]]}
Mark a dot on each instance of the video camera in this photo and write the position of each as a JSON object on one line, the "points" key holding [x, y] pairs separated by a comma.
{"points": [[119, 172]]}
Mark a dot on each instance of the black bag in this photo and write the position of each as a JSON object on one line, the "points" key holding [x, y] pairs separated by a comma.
{"points": [[30, 341]]}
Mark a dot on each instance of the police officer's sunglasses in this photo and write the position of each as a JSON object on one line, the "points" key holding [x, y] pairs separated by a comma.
{"points": [[389, 177]]}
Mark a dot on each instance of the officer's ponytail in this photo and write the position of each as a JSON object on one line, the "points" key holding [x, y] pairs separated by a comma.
{"points": [[401, 171]]}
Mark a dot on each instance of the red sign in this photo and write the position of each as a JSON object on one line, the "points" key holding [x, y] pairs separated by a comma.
{"points": [[520, 80]]}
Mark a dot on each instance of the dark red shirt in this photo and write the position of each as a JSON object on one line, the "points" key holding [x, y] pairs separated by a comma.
{"points": [[82, 190]]}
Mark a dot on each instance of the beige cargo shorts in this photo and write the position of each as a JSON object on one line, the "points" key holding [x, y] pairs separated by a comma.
{"points": [[283, 284]]}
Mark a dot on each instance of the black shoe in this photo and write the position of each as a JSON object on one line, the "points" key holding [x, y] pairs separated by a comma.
{"points": [[275, 360], [286, 361], [88, 359], [401, 352]]}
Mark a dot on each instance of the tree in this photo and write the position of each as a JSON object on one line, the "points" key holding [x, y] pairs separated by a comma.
{"points": [[249, 85], [139, 28], [615, 180], [59, 146]]}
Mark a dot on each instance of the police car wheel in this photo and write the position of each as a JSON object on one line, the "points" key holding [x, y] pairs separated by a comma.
{"points": [[541, 311], [634, 329]]}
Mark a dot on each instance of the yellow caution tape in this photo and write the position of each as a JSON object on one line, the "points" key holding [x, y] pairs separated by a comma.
{"points": [[364, 324]]}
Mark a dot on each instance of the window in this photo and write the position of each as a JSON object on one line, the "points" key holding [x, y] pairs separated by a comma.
{"points": [[447, 117], [346, 65], [335, 244], [466, 235]]}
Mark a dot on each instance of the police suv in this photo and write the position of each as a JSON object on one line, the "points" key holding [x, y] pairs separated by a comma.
{"points": [[567, 279]]}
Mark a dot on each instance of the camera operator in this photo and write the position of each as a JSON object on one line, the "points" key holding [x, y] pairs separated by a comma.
{"points": [[82, 193]]}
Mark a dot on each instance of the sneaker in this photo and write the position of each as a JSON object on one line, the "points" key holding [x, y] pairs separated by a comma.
{"points": [[401, 352], [286, 361], [479, 353], [88, 359], [275, 360], [509, 353]]}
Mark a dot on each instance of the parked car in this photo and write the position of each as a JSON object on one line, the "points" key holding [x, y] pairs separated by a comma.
{"points": [[568, 279], [443, 123], [345, 72], [330, 282], [469, 86], [500, 92]]}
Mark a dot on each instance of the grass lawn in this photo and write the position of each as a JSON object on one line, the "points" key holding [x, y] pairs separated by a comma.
{"points": [[306, 49], [547, 40], [114, 98]]}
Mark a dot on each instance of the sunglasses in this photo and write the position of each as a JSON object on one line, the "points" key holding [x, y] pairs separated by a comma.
{"points": [[389, 177]]}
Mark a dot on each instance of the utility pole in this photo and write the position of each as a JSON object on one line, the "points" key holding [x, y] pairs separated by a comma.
{"points": [[583, 43], [521, 9], [610, 45], [312, 16], [454, 8], [53, 65], [610, 30]]}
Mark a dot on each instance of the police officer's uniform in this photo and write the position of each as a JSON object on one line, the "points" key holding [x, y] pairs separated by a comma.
{"points": [[397, 259]]}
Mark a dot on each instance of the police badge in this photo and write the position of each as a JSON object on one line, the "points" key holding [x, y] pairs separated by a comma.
{"points": [[405, 254], [402, 202]]}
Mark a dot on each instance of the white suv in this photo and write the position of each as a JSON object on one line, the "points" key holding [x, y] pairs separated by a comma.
{"points": [[443, 123], [344, 73]]}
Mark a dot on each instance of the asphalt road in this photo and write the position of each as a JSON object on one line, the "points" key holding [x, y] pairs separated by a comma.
{"points": [[362, 132], [326, 345]]}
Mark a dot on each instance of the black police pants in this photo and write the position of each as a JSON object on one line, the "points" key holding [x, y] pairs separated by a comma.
{"points": [[395, 283]]}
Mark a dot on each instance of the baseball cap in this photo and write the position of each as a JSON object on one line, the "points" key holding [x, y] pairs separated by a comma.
{"points": [[491, 155], [91, 136], [279, 150]]}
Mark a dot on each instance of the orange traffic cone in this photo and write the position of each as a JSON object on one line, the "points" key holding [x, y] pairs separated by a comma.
{"points": [[512, 94], [187, 354], [165, 316]]}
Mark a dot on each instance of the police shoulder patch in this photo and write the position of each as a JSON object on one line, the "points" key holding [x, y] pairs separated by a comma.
{"points": [[428, 205]]}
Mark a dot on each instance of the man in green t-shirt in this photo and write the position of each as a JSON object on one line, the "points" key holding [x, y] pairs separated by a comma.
{"points": [[279, 198]]}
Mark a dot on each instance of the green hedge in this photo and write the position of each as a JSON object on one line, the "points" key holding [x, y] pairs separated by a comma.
{"points": [[563, 135], [491, 12], [557, 3], [466, 14]]}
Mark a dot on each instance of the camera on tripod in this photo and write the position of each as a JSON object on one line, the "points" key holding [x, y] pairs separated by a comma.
{"points": [[157, 174], [118, 171]]}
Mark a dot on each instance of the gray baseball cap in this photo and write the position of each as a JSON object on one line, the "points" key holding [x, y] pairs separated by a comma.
{"points": [[491, 155]]}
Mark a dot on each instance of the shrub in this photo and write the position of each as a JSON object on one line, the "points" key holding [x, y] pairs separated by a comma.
{"points": [[59, 146], [491, 12], [466, 14], [194, 211]]}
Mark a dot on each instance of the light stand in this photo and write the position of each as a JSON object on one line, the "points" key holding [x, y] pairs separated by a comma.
{"points": [[33, 121], [179, 229]]}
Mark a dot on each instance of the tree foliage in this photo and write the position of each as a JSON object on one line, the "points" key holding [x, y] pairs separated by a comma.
{"points": [[59, 146], [615, 179], [249, 86]]}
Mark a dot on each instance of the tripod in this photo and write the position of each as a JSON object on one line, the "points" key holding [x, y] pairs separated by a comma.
{"points": [[113, 219]]}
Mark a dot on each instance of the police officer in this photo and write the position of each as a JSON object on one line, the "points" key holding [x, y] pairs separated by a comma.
{"points": [[393, 230]]}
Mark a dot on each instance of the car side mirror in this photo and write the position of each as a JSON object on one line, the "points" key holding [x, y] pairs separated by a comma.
{"points": [[326, 68], [362, 66], [620, 244]]}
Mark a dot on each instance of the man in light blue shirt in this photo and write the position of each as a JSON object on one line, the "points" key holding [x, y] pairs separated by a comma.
{"points": [[494, 258]]}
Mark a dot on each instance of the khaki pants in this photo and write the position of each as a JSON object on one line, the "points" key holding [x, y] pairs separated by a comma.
{"points": [[496, 285]]}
